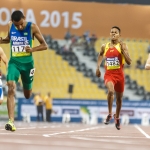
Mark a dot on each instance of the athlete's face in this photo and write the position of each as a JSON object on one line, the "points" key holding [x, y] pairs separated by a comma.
{"points": [[114, 34], [20, 25]]}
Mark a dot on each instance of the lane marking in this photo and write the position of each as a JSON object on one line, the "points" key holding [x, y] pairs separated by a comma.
{"points": [[41, 127], [106, 140], [146, 135], [81, 130], [23, 128], [28, 128], [126, 137], [12, 133]]}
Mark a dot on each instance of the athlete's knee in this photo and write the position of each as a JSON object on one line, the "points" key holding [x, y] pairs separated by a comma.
{"points": [[27, 96], [119, 101], [11, 87], [27, 93], [119, 98], [110, 92], [110, 88]]}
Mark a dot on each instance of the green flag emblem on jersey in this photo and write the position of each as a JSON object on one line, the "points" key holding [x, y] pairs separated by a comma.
{"points": [[25, 33]]}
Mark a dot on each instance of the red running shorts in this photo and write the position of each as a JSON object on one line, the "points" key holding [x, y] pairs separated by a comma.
{"points": [[117, 79]]}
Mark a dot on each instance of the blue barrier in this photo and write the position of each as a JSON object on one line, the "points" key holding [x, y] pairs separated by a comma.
{"points": [[76, 107]]}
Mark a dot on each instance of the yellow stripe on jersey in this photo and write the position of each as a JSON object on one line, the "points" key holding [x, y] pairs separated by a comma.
{"points": [[106, 48]]}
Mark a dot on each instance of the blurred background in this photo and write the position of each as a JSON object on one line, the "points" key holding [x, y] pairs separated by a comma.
{"points": [[74, 31]]}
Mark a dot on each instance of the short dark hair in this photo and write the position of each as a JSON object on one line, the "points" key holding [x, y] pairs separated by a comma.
{"points": [[117, 28], [17, 15]]}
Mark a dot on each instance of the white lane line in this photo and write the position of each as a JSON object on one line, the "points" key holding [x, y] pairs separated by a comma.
{"points": [[28, 128], [12, 133], [43, 127], [125, 137], [104, 140], [146, 135], [81, 130], [23, 128], [71, 131]]}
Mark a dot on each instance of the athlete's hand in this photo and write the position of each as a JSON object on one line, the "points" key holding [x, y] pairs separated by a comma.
{"points": [[98, 73], [28, 49]]}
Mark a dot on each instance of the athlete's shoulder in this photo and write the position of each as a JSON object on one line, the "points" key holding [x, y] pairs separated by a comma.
{"points": [[102, 50], [10, 24], [104, 45], [34, 27], [122, 43]]}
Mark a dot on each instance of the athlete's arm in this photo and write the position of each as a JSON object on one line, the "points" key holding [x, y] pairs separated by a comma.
{"points": [[7, 38], [99, 60], [124, 50], [36, 33], [147, 65], [3, 57]]}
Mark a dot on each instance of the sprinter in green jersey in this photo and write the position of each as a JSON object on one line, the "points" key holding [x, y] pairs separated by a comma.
{"points": [[20, 36]]}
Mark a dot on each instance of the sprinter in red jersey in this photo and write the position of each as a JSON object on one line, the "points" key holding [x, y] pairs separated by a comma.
{"points": [[116, 54]]}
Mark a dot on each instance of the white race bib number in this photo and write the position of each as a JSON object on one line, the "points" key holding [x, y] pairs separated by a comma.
{"points": [[18, 51], [18, 48], [112, 63]]}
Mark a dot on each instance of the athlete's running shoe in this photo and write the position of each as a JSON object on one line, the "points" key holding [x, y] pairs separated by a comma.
{"points": [[10, 126], [108, 118], [117, 122]]}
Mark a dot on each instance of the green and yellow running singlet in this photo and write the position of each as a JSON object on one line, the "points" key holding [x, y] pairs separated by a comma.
{"points": [[19, 39]]}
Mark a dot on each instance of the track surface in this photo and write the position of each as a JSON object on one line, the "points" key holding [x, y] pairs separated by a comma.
{"points": [[57, 136]]}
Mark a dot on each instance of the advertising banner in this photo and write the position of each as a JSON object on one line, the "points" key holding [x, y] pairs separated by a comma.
{"points": [[56, 17], [76, 108]]}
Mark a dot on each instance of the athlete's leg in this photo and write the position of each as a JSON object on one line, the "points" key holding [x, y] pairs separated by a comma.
{"points": [[110, 95], [118, 103], [27, 93], [27, 75], [11, 99], [12, 77], [119, 88], [118, 108], [110, 98]]}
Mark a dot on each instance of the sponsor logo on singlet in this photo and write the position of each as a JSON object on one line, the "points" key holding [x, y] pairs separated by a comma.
{"points": [[18, 46]]}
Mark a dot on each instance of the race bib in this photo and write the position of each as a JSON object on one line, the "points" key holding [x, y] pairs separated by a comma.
{"points": [[112, 63], [19, 51]]}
